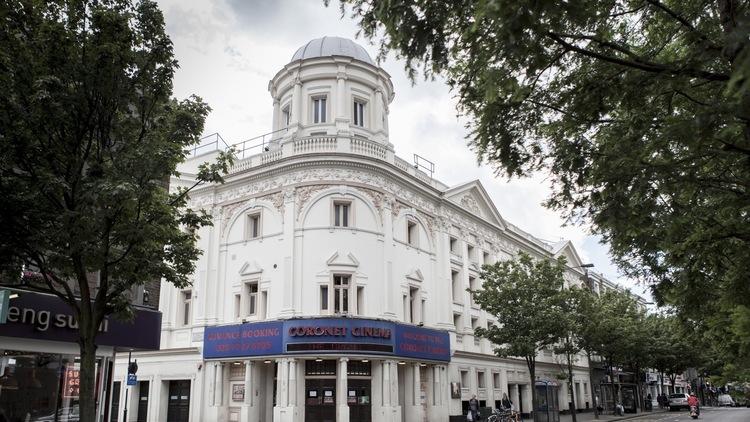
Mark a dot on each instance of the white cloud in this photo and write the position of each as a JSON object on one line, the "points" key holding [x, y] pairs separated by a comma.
{"points": [[229, 49]]}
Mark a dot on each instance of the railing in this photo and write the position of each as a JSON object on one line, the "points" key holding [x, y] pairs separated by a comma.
{"points": [[322, 144], [259, 150], [208, 143], [366, 147], [251, 146]]}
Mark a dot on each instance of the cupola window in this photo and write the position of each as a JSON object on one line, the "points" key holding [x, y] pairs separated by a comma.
{"points": [[319, 110], [359, 113], [286, 115]]}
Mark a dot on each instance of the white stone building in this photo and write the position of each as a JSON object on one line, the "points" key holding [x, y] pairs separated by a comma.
{"points": [[321, 229]]}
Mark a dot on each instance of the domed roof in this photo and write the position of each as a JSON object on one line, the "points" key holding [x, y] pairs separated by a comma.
{"points": [[332, 46]]}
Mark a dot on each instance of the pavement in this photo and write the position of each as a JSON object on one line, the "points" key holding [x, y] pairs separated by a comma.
{"points": [[708, 414]]}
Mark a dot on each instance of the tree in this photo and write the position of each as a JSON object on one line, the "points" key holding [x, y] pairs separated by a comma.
{"points": [[524, 296], [89, 138], [570, 345], [639, 110], [607, 330]]}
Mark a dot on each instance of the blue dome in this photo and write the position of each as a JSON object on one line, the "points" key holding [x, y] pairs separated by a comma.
{"points": [[332, 46]]}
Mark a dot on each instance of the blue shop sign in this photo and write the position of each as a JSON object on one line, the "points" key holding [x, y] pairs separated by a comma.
{"points": [[258, 339], [326, 335], [422, 343], [342, 335]]}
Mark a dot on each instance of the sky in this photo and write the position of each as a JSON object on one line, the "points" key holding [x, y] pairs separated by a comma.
{"points": [[228, 50]]}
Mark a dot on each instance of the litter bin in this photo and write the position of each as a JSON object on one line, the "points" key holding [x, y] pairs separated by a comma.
{"points": [[547, 406]]}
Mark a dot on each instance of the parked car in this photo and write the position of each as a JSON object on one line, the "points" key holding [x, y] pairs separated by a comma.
{"points": [[726, 400], [678, 401]]}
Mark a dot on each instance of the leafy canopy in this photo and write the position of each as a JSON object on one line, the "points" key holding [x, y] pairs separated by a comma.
{"points": [[639, 110], [90, 139], [523, 295]]}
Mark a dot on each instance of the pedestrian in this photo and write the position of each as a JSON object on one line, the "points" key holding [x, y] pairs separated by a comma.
{"points": [[474, 408], [506, 403]]}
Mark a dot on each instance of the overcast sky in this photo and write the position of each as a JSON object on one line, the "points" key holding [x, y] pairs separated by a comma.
{"points": [[228, 50]]}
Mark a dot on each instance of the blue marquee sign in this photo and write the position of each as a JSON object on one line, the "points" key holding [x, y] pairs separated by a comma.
{"points": [[326, 335]]}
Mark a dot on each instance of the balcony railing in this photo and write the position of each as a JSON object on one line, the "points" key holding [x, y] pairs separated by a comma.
{"points": [[258, 151]]}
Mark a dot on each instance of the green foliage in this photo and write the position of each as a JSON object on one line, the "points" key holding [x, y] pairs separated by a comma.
{"points": [[522, 294], [639, 110], [89, 137]]}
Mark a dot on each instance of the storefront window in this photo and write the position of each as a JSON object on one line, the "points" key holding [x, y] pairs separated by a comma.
{"points": [[39, 387]]}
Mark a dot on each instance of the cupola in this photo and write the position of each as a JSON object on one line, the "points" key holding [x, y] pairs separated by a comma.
{"points": [[331, 87]]}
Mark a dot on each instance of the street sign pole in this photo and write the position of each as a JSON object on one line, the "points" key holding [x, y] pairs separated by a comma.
{"points": [[127, 389]]}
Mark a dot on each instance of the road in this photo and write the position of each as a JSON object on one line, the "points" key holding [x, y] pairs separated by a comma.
{"points": [[737, 414]]}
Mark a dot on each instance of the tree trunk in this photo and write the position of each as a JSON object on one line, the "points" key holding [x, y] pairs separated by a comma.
{"points": [[531, 364], [87, 399], [572, 390], [594, 399], [661, 381]]}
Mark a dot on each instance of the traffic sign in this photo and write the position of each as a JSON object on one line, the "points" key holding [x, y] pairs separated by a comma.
{"points": [[132, 379]]}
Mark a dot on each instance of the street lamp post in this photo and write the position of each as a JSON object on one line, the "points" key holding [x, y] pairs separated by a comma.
{"points": [[594, 396]]}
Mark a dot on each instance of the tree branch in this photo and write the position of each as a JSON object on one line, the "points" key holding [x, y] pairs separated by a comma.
{"points": [[683, 21], [640, 65]]}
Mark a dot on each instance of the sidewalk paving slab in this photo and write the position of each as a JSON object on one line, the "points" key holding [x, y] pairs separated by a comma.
{"points": [[589, 416]]}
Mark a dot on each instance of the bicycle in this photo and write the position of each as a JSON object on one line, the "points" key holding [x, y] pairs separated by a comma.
{"points": [[505, 415]]}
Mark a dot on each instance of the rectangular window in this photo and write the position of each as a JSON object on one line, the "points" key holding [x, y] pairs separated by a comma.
{"points": [[319, 110], [252, 298], [359, 113], [263, 304], [480, 380], [465, 379], [237, 306], [496, 380], [423, 318], [470, 253], [454, 246], [340, 294], [413, 302], [187, 298], [253, 226], [323, 298], [473, 287], [286, 115], [341, 214], [456, 285], [457, 322], [412, 234], [486, 258], [360, 300]]}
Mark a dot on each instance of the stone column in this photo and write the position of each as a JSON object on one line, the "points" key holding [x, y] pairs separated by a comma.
{"points": [[564, 395], [413, 410], [504, 382], [250, 410], [276, 124], [513, 395], [528, 405], [342, 407], [390, 410]]}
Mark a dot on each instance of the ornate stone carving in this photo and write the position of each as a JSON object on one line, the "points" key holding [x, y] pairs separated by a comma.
{"points": [[377, 198], [304, 193], [277, 199], [469, 203]]}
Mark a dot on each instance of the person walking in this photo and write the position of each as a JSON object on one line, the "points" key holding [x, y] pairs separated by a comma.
{"points": [[506, 403], [474, 408]]}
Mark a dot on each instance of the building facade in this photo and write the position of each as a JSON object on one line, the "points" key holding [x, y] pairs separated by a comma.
{"points": [[333, 283], [39, 352]]}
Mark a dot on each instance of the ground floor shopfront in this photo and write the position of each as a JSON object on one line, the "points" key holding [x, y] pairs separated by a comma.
{"points": [[386, 373], [39, 358]]}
